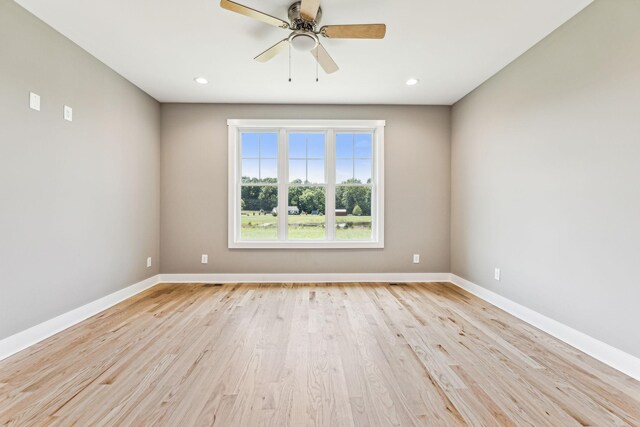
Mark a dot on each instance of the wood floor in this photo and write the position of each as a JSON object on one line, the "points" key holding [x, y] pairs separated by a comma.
{"points": [[338, 355]]}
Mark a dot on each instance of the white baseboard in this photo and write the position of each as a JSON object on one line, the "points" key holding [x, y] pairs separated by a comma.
{"points": [[35, 334], [607, 354], [616, 358], [305, 278]]}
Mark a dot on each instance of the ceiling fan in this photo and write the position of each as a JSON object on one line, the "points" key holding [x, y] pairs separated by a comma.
{"points": [[304, 17]]}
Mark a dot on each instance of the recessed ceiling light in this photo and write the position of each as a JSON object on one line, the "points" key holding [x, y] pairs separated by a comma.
{"points": [[412, 82], [201, 80]]}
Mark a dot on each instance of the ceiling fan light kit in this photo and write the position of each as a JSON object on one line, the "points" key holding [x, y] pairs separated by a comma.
{"points": [[303, 41], [304, 17]]}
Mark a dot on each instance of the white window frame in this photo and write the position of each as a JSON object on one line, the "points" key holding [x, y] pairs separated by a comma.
{"points": [[283, 127]]}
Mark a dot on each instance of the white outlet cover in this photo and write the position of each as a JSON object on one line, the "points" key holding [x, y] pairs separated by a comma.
{"points": [[416, 258], [496, 274], [34, 101], [205, 259], [149, 262], [68, 113]]}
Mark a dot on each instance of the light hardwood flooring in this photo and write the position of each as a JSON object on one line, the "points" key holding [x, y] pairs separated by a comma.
{"points": [[307, 354]]}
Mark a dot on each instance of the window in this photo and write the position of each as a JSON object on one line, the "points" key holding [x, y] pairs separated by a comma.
{"points": [[259, 185], [306, 184]]}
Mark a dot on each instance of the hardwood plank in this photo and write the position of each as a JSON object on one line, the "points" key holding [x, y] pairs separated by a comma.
{"points": [[310, 354]]}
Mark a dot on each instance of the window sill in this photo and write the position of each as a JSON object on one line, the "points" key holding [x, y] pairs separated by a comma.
{"points": [[306, 245]]}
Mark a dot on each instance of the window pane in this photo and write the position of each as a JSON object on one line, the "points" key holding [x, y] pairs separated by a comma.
{"points": [[297, 146], [269, 170], [315, 146], [258, 220], [344, 170], [344, 145], [259, 157], [250, 170], [250, 145], [306, 220], [353, 213], [362, 144], [362, 172], [269, 145], [297, 171], [315, 171], [302, 147]]}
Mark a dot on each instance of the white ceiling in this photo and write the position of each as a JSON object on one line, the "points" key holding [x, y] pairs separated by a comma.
{"points": [[452, 46]]}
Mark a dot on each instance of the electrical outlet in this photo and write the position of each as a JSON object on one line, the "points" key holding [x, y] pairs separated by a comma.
{"points": [[149, 262], [496, 274], [68, 113], [34, 101], [205, 259], [416, 258]]}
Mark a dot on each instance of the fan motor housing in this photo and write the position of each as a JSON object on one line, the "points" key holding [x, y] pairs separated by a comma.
{"points": [[298, 22]]}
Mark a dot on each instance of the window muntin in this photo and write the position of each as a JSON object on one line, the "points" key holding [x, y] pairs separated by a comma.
{"points": [[328, 179]]}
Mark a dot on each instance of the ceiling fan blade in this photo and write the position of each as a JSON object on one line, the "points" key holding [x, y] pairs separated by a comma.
{"points": [[326, 62], [309, 9], [272, 51], [358, 31], [252, 13]]}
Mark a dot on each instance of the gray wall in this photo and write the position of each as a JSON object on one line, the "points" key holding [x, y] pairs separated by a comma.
{"points": [[194, 192], [546, 176], [79, 201]]}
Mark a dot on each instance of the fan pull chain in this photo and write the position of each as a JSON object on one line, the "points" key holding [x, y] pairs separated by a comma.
{"points": [[317, 63], [289, 62]]}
